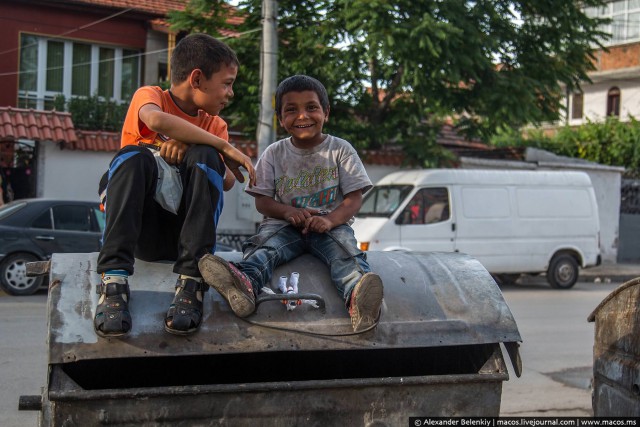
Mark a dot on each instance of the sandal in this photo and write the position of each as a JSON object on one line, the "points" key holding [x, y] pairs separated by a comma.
{"points": [[185, 312], [112, 317]]}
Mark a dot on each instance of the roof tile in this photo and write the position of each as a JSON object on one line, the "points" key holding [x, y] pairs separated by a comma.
{"points": [[155, 7], [89, 140], [19, 123]]}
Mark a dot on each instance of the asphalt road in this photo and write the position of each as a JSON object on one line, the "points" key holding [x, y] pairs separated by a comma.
{"points": [[556, 351]]}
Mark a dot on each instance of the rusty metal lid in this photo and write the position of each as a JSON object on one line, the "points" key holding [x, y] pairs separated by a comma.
{"points": [[430, 299]]}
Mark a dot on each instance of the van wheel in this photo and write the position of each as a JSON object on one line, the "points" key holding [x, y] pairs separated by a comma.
{"points": [[563, 272], [506, 278]]}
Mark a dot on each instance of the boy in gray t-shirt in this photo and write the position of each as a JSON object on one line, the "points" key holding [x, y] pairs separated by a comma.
{"points": [[309, 187]]}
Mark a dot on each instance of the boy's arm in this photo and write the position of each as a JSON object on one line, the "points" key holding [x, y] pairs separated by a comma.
{"points": [[307, 218], [176, 128], [173, 152], [229, 180]]}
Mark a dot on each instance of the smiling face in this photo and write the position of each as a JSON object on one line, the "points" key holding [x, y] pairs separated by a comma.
{"points": [[214, 93], [302, 117]]}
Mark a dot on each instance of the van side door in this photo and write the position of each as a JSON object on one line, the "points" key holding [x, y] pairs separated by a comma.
{"points": [[426, 222]]}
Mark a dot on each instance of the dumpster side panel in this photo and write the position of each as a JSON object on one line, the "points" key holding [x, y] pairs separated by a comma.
{"points": [[390, 405], [617, 353]]}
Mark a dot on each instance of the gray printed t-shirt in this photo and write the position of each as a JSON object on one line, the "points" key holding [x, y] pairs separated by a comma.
{"points": [[317, 178]]}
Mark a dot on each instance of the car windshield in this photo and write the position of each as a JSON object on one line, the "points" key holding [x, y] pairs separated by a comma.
{"points": [[11, 208], [383, 200]]}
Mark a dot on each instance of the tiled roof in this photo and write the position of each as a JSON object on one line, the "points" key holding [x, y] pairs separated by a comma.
{"points": [[95, 140], [159, 8], [155, 7], [19, 123]]}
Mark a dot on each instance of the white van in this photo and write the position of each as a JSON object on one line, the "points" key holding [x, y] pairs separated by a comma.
{"points": [[513, 222]]}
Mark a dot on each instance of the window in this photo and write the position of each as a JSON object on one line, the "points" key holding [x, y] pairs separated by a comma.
{"points": [[613, 102], [625, 19], [427, 206], [43, 221], [81, 70], [382, 201], [74, 218], [99, 219], [577, 105], [49, 67]]}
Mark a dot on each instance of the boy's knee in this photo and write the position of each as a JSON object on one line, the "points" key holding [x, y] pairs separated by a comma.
{"points": [[203, 154], [132, 157]]}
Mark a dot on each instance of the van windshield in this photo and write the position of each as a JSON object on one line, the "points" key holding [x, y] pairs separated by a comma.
{"points": [[383, 200]]}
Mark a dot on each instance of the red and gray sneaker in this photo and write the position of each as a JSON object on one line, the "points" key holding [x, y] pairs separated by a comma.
{"points": [[366, 300], [230, 282]]}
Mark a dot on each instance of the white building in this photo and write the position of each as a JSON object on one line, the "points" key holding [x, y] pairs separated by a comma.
{"points": [[615, 87]]}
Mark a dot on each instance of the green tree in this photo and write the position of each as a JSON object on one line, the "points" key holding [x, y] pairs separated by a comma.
{"points": [[396, 69]]}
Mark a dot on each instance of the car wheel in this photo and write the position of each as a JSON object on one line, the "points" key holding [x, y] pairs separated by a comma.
{"points": [[563, 271], [13, 275]]}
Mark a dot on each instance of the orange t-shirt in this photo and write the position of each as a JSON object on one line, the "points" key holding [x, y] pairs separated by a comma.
{"points": [[135, 131]]}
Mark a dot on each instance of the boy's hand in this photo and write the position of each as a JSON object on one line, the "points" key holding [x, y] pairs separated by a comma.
{"points": [[234, 158], [173, 151], [298, 216], [317, 224]]}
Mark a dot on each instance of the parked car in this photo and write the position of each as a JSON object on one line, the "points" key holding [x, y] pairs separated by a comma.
{"points": [[33, 229]]}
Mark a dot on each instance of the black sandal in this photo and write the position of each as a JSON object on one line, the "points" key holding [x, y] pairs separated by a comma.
{"points": [[185, 312], [112, 317]]}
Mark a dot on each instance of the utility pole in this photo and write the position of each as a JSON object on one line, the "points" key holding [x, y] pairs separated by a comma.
{"points": [[265, 134]]}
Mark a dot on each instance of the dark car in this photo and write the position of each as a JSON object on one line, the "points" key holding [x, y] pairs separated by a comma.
{"points": [[33, 229]]}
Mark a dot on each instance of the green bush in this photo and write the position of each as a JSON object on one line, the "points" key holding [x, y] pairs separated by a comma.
{"points": [[93, 113], [611, 142]]}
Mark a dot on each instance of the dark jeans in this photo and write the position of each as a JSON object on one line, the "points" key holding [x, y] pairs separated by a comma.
{"points": [[276, 244], [137, 226]]}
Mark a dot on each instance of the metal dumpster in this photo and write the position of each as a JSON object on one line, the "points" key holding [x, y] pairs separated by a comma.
{"points": [[436, 351], [616, 352]]}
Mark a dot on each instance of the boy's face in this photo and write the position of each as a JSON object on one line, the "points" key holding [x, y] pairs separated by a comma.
{"points": [[302, 117], [214, 93]]}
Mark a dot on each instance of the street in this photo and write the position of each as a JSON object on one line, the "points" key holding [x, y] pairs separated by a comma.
{"points": [[556, 350]]}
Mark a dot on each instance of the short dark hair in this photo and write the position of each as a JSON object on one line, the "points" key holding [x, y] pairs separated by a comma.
{"points": [[200, 51], [301, 83]]}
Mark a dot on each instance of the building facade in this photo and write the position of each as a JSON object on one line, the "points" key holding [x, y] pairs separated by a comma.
{"points": [[615, 87]]}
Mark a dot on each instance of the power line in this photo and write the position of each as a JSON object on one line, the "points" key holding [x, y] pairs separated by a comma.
{"points": [[82, 27], [141, 54]]}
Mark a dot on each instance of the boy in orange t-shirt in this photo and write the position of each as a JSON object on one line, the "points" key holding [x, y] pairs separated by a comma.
{"points": [[182, 123]]}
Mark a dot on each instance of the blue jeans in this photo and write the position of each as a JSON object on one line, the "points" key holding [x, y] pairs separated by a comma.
{"points": [[276, 244]]}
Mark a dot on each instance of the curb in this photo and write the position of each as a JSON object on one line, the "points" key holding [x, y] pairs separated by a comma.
{"points": [[604, 277]]}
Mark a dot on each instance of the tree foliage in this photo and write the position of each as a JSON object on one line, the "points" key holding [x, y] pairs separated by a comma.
{"points": [[395, 69]]}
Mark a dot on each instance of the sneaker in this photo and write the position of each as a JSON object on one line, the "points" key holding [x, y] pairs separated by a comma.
{"points": [[230, 282], [366, 300]]}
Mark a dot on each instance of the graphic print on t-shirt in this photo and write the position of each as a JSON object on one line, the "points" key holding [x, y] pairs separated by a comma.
{"points": [[310, 180]]}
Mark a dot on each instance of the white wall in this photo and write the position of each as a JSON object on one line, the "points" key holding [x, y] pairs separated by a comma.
{"points": [[595, 100], [156, 52], [69, 174]]}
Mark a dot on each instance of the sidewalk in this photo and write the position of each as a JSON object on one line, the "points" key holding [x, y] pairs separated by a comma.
{"points": [[610, 272]]}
